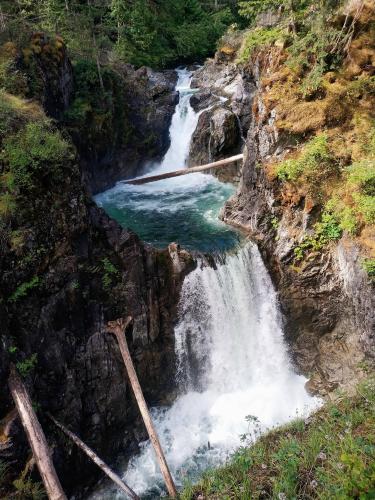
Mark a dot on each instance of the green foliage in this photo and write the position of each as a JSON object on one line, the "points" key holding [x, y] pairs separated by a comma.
{"points": [[28, 489], [110, 272], [259, 37], [34, 154], [365, 205], [27, 365], [318, 45], [4, 469], [97, 119], [326, 230], [361, 179], [345, 215], [23, 289], [369, 266], [172, 31], [332, 455], [314, 162], [250, 9], [142, 32]]}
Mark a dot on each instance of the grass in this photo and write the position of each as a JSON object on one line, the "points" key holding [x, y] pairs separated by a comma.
{"points": [[331, 455]]}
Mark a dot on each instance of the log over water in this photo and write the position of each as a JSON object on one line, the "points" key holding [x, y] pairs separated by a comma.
{"points": [[186, 171]]}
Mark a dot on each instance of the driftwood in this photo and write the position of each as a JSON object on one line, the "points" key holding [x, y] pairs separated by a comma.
{"points": [[118, 328], [185, 171], [36, 437], [94, 457]]}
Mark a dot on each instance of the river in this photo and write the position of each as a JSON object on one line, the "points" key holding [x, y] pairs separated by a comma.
{"points": [[232, 361]]}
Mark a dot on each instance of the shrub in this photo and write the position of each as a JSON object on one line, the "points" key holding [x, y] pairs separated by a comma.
{"points": [[27, 365], [365, 205], [361, 180], [256, 38], [28, 489], [35, 153], [326, 230], [250, 9], [362, 175], [314, 162], [110, 272], [369, 266], [344, 214]]}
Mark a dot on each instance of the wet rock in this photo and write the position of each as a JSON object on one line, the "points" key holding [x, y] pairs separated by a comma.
{"points": [[217, 135], [150, 99], [327, 302], [203, 100], [79, 375], [220, 132]]}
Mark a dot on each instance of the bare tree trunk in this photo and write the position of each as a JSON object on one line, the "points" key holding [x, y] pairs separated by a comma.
{"points": [[94, 457], [36, 437], [118, 328], [186, 171]]}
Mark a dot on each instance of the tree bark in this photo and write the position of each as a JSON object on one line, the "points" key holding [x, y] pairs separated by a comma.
{"points": [[186, 171], [36, 437], [118, 328], [94, 457]]}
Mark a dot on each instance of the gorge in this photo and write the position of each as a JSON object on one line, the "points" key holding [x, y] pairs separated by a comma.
{"points": [[231, 360], [251, 288]]}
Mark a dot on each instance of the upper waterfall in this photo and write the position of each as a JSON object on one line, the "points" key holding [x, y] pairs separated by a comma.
{"points": [[185, 210]]}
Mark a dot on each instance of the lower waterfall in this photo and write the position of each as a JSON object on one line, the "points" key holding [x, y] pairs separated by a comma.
{"points": [[231, 358], [232, 362]]}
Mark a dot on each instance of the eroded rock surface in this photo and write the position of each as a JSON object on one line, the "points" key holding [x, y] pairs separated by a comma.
{"points": [[328, 301], [224, 99]]}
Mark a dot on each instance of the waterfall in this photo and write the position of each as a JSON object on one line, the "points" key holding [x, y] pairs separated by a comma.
{"points": [[184, 122], [232, 362], [231, 357], [185, 211]]}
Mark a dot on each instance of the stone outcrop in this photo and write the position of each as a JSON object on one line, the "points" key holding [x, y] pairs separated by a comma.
{"points": [[73, 270], [223, 99], [150, 103]]}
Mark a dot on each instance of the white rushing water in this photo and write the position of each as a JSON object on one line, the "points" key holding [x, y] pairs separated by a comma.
{"points": [[232, 362], [182, 209], [231, 357]]}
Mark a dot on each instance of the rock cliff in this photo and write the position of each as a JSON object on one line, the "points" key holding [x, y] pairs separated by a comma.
{"points": [[328, 301], [67, 269]]}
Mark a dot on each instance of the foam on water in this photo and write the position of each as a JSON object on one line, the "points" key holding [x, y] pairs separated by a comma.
{"points": [[231, 357], [182, 209], [232, 362]]}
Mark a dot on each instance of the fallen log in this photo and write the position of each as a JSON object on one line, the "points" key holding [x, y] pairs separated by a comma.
{"points": [[118, 328], [185, 171], [94, 457], [36, 437]]}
